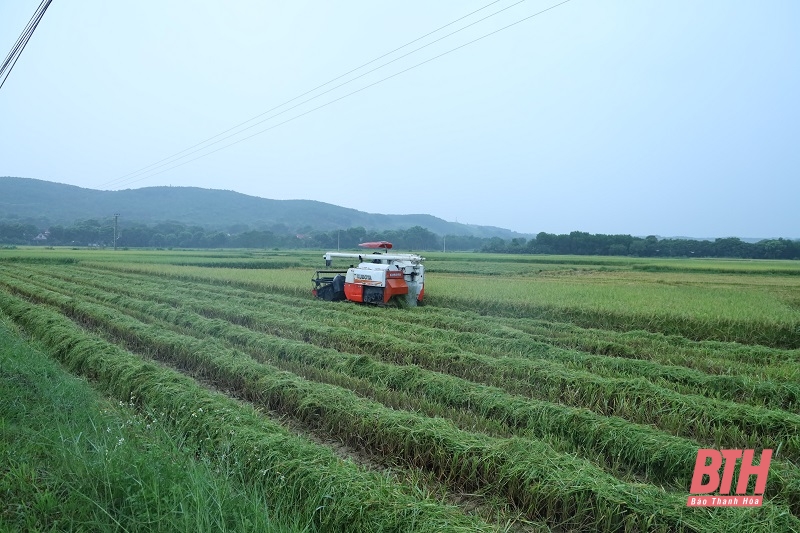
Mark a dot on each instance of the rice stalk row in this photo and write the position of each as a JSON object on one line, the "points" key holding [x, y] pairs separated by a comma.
{"points": [[299, 478], [565, 491], [723, 423], [706, 356]]}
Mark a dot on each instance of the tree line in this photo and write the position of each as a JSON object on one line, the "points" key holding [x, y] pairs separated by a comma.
{"points": [[582, 243], [177, 235]]}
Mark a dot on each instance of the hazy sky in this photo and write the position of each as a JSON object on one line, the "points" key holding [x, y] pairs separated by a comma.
{"points": [[674, 118]]}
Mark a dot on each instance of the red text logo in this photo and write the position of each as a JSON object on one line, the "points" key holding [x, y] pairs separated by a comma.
{"points": [[712, 488]]}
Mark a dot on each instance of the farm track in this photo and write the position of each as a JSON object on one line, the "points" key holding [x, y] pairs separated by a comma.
{"points": [[780, 471]]}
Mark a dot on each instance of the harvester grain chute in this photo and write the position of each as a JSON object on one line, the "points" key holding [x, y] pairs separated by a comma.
{"points": [[379, 278]]}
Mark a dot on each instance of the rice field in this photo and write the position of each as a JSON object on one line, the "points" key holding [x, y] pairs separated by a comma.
{"points": [[529, 394]]}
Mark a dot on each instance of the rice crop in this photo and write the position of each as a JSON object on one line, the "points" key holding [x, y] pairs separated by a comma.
{"points": [[575, 391]]}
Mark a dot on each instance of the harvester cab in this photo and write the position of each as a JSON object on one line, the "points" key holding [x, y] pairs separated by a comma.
{"points": [[378, 279]]}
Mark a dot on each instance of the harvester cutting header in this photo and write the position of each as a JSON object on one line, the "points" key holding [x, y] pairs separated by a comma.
{"points": [[378, 279]]}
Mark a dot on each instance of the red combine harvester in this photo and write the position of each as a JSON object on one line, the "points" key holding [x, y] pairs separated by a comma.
{"points": [[378, 279]]}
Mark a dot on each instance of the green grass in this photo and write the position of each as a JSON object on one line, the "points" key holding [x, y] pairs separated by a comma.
{"points": [[71, 460]]}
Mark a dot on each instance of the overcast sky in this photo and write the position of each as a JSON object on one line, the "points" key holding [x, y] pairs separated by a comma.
{"points": [[673, 118]]}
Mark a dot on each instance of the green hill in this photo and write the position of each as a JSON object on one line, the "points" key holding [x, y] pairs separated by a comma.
{"points": [[45, 203]]}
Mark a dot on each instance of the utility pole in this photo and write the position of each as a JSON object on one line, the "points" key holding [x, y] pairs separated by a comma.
{"points": [[444, 243], [337, 239], [116, 216]]}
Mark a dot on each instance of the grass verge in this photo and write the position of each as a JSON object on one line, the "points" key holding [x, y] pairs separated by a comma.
{"points": [[72, 460]]}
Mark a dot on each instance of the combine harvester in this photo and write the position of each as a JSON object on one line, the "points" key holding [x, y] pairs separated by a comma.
{"points": [[378, 279]]}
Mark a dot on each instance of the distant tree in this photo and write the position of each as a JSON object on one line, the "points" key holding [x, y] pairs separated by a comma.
{"points": [[158, 240], [420, 238], [637, 248], [776, 249], [351, 237], [617, 249], [495, 245], [729, 247], [517, 245], [136, 236], [16, 233]]}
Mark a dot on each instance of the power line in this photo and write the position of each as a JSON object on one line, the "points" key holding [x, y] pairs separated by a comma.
{"points": [[353, 92], [302, 95], [175, 157], [16, 50], [150, 175]]}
